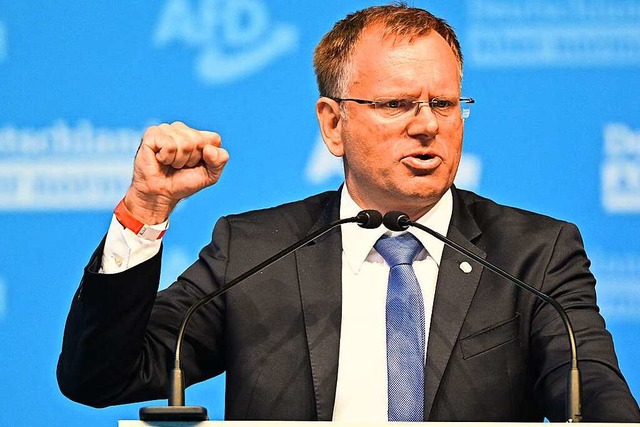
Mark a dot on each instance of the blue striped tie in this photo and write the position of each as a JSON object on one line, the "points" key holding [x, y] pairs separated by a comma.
{"points": [[405, 328]]}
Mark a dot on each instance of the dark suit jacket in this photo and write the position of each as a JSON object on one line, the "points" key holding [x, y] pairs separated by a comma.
{"points": [[494, 351]]}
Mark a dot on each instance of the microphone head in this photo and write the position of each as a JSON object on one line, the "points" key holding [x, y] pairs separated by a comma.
{"points": [[369, 218], [396, 221]]}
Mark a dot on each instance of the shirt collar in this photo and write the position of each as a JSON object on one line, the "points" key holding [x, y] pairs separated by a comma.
{"points": [[357, 242]]}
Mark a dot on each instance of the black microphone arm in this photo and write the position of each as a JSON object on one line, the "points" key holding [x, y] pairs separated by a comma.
{"points": [[399, 221], [176, 410]]}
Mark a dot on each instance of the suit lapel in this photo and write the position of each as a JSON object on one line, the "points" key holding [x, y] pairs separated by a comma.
{"points": [[454, 291], [320, 278]]}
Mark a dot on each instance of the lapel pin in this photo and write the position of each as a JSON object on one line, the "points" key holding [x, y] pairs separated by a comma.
{"points": [[465, 267]]}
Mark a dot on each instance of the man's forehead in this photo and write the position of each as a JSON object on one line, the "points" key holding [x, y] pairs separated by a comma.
{"points": [[374, 44], [377, 48], [379, 35]]}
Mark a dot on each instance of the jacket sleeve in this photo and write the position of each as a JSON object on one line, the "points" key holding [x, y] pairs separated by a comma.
{"points": [[119, 338], [605, 394]]}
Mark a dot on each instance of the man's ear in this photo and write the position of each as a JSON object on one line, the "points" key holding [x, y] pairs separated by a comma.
{"points": [[330, 121]]}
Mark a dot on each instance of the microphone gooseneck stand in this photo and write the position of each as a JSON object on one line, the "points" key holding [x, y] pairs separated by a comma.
{"points": [[176, 409]]}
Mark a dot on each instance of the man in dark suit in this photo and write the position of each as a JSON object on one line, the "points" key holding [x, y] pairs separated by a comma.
{"points": [[302, 340]]}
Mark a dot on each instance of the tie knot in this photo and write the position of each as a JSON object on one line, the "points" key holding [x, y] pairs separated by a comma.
{"points": [[401, 249]]}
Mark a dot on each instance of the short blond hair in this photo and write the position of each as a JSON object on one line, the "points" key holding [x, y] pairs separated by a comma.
{"points": [[333, 54]]}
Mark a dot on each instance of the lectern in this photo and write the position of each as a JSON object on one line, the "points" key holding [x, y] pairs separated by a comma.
{"points": [[343, 424]]}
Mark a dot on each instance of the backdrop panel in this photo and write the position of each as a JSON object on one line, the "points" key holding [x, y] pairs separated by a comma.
{"points": [[556, 129]]}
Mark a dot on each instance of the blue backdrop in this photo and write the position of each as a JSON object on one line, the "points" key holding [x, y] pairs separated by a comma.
{"points": [[556, 129]]}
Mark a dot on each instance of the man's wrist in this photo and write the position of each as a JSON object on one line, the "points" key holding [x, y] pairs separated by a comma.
{"points": [[129, 221]]}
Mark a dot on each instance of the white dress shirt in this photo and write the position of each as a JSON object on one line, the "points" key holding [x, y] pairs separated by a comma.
{"points": [[361, 394]]}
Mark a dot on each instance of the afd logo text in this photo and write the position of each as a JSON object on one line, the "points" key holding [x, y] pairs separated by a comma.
{"points": [[233, 38]]}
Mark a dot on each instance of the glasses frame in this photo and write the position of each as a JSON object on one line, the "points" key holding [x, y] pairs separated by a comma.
{"points": [[418, 103]]}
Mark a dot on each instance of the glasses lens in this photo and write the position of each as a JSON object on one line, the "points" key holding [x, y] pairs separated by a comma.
{"points": [[393, 107]]}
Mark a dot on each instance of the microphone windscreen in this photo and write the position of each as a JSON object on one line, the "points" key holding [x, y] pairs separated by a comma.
{"points": [[369, 218], [396, 221]]}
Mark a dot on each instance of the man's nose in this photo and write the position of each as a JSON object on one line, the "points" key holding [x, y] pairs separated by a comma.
{"points": [[424, 120], [420, 104]]}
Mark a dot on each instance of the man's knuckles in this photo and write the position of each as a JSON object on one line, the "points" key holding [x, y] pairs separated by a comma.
{"points": [[179, 146]]}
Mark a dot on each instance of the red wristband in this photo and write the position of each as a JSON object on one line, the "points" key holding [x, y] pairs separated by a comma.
{"points": [[128, 221]]}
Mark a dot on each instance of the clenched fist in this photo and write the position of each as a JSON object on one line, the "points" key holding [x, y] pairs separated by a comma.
{"points": [[173, 161]]}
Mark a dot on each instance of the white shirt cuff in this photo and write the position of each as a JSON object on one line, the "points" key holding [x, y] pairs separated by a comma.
{"points": [[124, 250]]}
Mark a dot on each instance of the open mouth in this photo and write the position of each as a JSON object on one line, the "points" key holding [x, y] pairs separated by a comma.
{"points": [[422, 162]]}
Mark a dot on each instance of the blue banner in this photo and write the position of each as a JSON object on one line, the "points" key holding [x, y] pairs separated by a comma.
{"points": [[555, 129]]}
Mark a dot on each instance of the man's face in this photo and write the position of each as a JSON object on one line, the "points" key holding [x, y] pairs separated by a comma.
{"points": [[400, 163]]}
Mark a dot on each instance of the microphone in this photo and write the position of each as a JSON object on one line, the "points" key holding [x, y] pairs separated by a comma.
{"points": [[176, 410], [399, 221]]}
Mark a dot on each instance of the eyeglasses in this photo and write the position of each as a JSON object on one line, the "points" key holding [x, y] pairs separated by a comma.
{"points": [[394, 108]]}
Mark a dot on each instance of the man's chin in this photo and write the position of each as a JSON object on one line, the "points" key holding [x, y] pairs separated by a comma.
{"points": [[418, 200]]}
